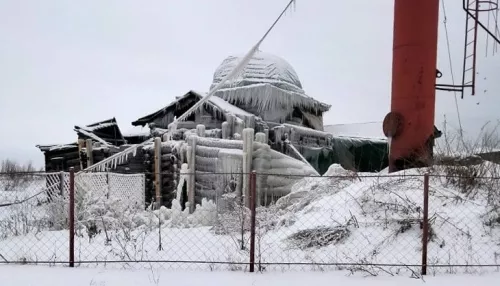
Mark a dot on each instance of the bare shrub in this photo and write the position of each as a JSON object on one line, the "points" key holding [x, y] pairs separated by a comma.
{"points": [[323, 236], [320, 236], [469, 164], [235, 222], [12, 168], [472, 166], [14, 175]]}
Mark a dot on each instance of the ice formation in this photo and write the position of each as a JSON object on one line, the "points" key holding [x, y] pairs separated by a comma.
{"points": [[228, 77], [268, 86], [261, 68], [114, 160], [236, 68]]}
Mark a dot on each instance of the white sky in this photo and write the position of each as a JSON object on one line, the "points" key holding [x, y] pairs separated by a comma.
{"points": [[64, 63]]}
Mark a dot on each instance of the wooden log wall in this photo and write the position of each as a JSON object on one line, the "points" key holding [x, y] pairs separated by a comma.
{"points": [[170, 165], [62, 159], [217, 165], [305, 136], [182, 134]]}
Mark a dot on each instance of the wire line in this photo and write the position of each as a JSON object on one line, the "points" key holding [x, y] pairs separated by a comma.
{"points": [[445, 22]]}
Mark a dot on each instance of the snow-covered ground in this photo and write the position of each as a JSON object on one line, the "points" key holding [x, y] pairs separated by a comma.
{"points": [[361, 223], [55, 276]]}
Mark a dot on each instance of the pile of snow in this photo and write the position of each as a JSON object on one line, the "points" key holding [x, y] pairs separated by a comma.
{"points": [[342, 221], [380, 219]]}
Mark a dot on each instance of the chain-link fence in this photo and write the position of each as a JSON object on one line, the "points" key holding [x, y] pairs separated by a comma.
{"points": [[371, 223], [33, 218], [35, 212], [464, 222]]}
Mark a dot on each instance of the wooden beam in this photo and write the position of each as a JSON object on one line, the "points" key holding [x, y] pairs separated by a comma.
{"points": [[191, 170], [88, 148], [157, 171], [81, 143]]}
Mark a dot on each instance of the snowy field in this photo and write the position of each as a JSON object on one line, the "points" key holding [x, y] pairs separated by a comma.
{"points": [[359, 223], [52, 276]]}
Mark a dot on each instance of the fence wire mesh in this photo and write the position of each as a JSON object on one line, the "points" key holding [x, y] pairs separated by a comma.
{"points": [[350, 221], [32, 228], [342, 222], [464, 212]]}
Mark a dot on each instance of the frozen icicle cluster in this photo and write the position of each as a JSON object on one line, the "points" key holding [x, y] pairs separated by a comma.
{"points": [[277, 172], [184, 174], [304, 131], [236, 70], [228, 77], [299, 155], [229, 165], [114, 160]]}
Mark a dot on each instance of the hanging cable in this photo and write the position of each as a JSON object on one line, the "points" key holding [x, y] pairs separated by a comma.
{"points": [[488, 26], [445, 22], [497, 32], [238, 68], [112, 160]]}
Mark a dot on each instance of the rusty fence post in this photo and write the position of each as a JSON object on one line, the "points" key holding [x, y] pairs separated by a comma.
{"points": [[71, 217], [253, 197], [425, 224]]}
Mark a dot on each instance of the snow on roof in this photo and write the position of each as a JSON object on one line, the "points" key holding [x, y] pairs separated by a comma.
{"points": [[105, 136], [136, 131], [362, 130], [55, 147], [218, 104], [100, 126], [224, 105], [262, 72], [270, 97], [91, 135], [262, 67]]}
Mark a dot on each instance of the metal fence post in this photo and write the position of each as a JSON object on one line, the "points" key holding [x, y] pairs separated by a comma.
{"points": [[72, 217], [425, 224], [157, 172], [253, 198]]}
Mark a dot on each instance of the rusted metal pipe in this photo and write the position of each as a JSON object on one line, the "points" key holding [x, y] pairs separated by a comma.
{"points": [[410, 124]]}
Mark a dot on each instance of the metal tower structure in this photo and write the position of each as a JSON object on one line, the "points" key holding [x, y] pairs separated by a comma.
{"points": [[409, 125]]}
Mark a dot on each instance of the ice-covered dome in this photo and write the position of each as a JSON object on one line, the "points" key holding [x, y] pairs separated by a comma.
{"points": [[263, 68]]}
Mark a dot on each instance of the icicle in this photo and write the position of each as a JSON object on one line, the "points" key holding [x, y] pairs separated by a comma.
{"points": [[234, 73], [184, 174]]}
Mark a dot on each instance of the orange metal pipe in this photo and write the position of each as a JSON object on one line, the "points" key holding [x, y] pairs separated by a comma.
{"points": [[413, 82]]}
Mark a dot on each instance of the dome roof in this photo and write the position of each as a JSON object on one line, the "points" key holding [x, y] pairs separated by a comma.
{"points": [[262, 68]]}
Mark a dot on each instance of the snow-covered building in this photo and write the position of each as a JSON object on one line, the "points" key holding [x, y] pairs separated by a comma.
{"points": [[268, 89], [267, 97], [105, 134]]}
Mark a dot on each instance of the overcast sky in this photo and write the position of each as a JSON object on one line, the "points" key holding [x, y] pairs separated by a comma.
{"points": [[64, 63]]}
